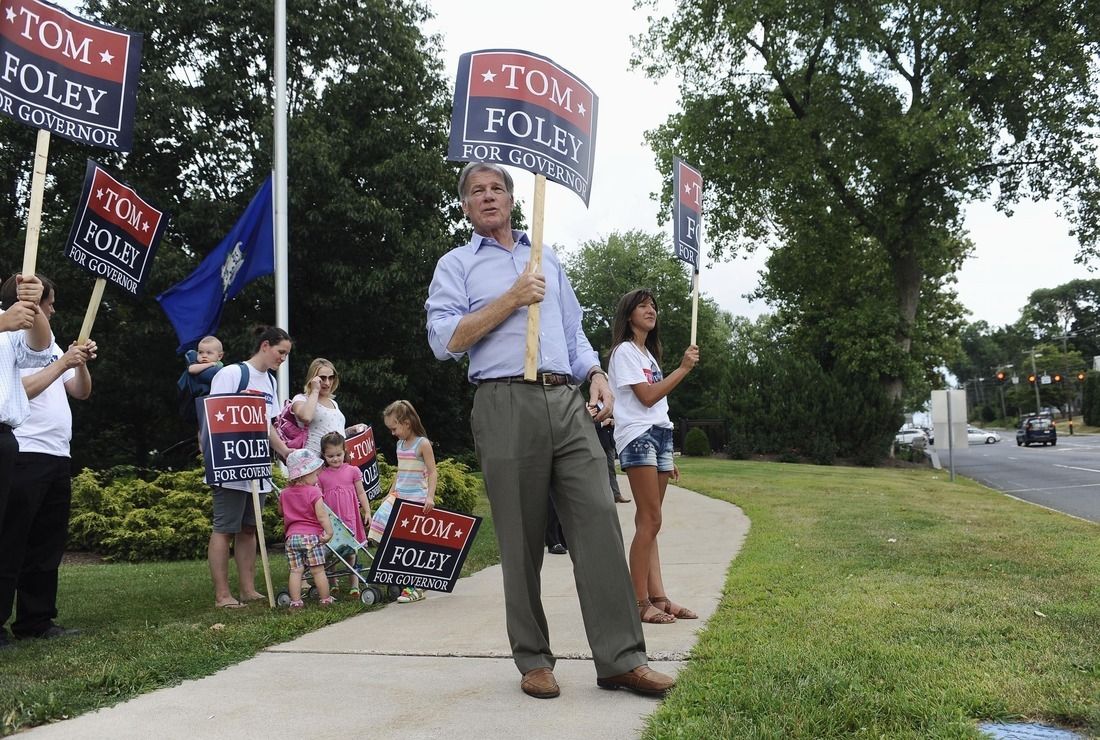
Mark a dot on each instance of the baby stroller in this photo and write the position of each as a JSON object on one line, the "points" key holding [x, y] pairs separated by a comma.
{"points": [[341, 548]]}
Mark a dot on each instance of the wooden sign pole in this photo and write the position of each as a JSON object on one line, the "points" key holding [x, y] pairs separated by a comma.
{"points": [[694, 305], [530, 365], [263, 544], [93, 309], [34, 215]]}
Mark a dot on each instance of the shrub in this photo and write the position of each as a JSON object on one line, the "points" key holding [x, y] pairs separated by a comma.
{"points": [[135, 515], [696, 443], [456, 488]]}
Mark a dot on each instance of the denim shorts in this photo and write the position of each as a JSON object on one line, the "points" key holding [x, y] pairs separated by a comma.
{"points": [[652, 448]]}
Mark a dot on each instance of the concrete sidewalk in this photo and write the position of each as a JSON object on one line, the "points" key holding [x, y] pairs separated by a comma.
{"points": [[441, 668]]}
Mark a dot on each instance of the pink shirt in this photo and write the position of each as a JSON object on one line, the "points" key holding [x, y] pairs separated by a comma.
{"points": [[299, 516]]}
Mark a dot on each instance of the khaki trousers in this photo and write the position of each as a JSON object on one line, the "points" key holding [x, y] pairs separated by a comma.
{"points": [[533, 442]]}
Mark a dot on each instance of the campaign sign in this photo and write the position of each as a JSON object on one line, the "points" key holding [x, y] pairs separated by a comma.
{"points": [[235, 437], [423, 550], [687, 182], [115, 232], [516, 108], [362, 453], [69, 76]]}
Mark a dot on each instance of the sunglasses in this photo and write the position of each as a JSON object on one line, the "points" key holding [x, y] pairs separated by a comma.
{"points": [[327, 377]]}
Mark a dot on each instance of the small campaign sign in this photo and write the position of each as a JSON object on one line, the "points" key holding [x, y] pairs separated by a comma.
{"points": [[687, 183], [516, 108], [423, 550], [234, 431], [68, 76], [115, 232], [361, 452]]}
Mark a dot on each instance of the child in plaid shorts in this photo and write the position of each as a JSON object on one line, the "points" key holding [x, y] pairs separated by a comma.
{"points": [[307, 525]]}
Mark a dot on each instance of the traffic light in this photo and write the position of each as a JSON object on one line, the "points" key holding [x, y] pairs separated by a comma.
{"points": [[1031, 378], [1081, 376], [1057, 378], [1000, 376]]}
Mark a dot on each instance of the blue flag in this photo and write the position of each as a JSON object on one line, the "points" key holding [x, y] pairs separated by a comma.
{"points": [[194, 305]]}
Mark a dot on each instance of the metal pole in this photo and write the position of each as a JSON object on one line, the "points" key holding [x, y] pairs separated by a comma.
{"points": [[1038, 404], [282, 302], [950, 439]]}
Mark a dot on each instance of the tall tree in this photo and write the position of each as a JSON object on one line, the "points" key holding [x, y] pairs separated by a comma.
{"points": [[1068, 312], [825, 125], [603, 270], [371, 205]]}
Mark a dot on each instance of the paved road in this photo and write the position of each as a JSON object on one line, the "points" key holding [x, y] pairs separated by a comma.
{"points": [[1065, 477]]}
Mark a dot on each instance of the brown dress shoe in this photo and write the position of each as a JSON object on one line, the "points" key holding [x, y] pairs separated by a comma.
{"points": [[641, 680], [540, 683]]}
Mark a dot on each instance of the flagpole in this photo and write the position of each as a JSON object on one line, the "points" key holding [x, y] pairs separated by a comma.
{"points": [[282, 302]]}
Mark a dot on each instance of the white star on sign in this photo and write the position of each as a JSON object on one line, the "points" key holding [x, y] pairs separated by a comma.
{"points": [[145, 226], [219, 416], [580, 108], [687, 189], [405, 523], [99, 194], [458, 534], [488, 76], [11, 15], [106, 57]]}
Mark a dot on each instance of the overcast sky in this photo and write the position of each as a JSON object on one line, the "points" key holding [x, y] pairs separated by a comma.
{"points": [[591, 39]]}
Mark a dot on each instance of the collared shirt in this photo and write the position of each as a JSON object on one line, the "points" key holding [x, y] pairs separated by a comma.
{"points": [[472, 276], [15, 354]]}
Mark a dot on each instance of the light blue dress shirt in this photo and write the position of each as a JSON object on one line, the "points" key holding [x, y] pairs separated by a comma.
{"points": [[472, 276]]}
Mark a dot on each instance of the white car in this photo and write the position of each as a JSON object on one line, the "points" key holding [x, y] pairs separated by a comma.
{"points": [[980, 436], [911, 436]]}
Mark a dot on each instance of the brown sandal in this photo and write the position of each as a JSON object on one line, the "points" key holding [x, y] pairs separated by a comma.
{"points": [[661, 617], [682, 613]]}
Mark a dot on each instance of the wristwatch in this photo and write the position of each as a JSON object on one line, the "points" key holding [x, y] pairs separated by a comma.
{"points": [[594, 371]]}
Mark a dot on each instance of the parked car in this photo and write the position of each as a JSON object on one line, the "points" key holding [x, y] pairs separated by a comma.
{"points": [[911, 436], [1036, 430], [975, 435]]}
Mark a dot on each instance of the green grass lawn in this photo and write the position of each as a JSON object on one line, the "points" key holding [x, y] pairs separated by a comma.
{"points": [[889, 603], [152, 625]]}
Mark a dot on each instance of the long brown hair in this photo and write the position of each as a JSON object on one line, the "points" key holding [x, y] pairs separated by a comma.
{"points": [[403, 412], [621, 330]]}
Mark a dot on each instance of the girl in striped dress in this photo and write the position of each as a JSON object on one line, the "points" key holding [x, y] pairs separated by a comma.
{"points": [[416, 475]]}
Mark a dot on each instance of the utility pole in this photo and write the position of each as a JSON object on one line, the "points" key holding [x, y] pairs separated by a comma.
{"points": [[1038, 404]]}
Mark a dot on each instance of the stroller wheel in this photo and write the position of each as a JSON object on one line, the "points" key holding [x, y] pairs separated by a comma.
{"points": [[282, 599], [392, 592], [370, 595]]}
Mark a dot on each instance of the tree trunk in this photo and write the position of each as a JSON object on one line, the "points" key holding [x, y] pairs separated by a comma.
{"points": [[907, 284]]}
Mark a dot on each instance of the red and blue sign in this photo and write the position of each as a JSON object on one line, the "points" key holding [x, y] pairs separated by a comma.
{"points": [[520, 109], [235, 442], [69, 76], [361, 452], [687, 182], [116, 232], [423, 550]]}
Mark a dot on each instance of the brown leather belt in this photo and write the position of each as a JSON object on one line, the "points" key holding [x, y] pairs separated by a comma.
{"points": [[540, 379]]}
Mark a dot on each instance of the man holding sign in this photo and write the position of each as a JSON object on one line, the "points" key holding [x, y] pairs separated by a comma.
{"points": [[234, 520], [529, 433]]}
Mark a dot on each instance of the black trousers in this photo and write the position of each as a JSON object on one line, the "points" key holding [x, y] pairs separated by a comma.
{"points": [[9, 448], [33, 533]]}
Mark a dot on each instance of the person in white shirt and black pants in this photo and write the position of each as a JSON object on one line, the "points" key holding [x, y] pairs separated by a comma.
{"points": [[24, 342]]}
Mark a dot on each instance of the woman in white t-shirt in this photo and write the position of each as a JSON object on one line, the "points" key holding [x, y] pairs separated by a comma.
{"points": [[643, 440], [317, 406]]}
